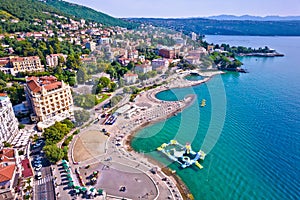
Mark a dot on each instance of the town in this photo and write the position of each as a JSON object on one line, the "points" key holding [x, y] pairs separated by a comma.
{"points": [[79, 75]]}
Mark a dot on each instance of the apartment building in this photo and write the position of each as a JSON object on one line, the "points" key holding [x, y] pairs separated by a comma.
{"points": [[53, 59], [130, 78], [50, 100], [14, 65], [8, 121], [143, 68], [160, 62]]}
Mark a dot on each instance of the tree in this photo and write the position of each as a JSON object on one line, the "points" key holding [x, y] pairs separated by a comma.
{"points": [[82, 76], [81, 116], [104, 81], [112, 87], [130, 65], [53, 153], [115, 100], [126, 90]]}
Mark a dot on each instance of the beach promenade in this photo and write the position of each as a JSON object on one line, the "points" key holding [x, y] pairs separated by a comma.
{"points": [[112, 156]]}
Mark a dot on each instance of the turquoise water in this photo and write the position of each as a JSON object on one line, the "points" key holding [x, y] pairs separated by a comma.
{"points": [[194, 78], [257, 152]]}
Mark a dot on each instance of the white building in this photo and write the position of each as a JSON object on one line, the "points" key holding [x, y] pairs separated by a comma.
{"points": [[52, 59], [160, 62], [104, 40], [49, 99], [8, 121], [194, 36], [143, 68], [130, 78]]}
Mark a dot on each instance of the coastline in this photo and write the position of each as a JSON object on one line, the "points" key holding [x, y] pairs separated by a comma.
{"points": [[184, 190]]}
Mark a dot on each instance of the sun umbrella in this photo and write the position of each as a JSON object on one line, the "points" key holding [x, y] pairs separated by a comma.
{"points": [[71, 184], [92, 189], [77, 191], [69, 175], [100, 191], [77, 187], [68, 171], [70, 179], [63, 161], [83, 189]]}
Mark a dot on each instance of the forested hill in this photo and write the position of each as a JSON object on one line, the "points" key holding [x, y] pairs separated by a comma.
{"points": [[226, 27], [24, 15], [31, 15], [89, 14]]}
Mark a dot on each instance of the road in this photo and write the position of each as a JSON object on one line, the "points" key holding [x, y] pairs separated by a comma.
{"points": [[43, 188]]}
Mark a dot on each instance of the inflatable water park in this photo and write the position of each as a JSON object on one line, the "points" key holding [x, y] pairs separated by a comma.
{"points": [[184, 155]]}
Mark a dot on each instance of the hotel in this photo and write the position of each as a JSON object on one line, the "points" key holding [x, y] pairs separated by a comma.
{"points": [[50, 100]]}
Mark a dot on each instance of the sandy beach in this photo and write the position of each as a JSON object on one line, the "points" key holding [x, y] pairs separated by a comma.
{"points": [[147, 110]]}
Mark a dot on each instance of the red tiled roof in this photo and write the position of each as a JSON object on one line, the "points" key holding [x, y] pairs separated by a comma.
{"points": [[3, 95], [20, 59], [34, 86], [27, 171], [127, 75], [53, 86], [6, 173]]}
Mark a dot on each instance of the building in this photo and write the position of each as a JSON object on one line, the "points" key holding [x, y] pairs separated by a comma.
{"points": [[7, 173], [143, 68], [162, 69], [91, 46], [130, 78], [8, 121], [167, 53], [53, 59], [180, 41], [210, 48], [160, 62], [193, 59], [14, 65], [194, 36], [104, 40], [50, 100]]}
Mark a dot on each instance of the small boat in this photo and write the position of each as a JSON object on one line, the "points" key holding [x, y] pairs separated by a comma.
{"points": [[203, 103]]}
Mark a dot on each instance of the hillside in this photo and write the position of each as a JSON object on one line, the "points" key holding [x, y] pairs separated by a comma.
{"points": [[89, 14], [226, 27], [25, 15]]}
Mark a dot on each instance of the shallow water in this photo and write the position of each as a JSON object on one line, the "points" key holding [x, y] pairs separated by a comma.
{"points": [[256, 153]]}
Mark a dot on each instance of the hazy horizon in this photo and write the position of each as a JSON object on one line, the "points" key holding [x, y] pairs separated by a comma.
{"points": [[192, 8]]}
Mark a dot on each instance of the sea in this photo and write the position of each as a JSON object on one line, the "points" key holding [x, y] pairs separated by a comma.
{"points": [[249, 128]]}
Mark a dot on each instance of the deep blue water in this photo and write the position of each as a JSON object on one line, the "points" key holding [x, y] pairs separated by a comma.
{"points": [[256, 154]]}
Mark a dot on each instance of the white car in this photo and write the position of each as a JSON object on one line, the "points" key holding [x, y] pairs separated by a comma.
{"points": [[37, 162], [38, 158], [38, 167], [39, 175]]}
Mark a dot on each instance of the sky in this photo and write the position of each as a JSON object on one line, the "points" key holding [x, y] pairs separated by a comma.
{"points": [[192, 8]]}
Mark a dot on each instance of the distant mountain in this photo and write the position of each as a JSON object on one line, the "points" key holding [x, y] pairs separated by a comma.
{"points": [[254, 18], [226, 27], [88, 14]]}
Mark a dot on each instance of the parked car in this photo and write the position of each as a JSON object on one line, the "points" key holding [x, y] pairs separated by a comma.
{"points": [[37, 164], [38, 167], [37, 158], [38, 175]]}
